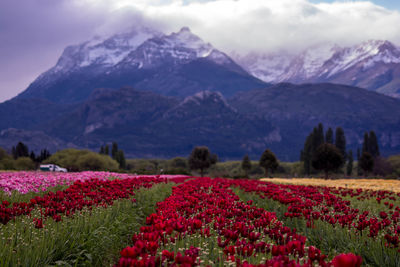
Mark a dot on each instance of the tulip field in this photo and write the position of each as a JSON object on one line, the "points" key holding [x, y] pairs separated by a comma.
{"points": [[110, 219]]}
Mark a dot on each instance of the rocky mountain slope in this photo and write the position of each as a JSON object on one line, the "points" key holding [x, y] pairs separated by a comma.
{"points": [[373, 65], [147, 124], [188, 93], [179, 64], [295, 109]]}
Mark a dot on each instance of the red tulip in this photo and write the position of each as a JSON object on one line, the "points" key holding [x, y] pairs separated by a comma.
{"points": [[347, 260]]}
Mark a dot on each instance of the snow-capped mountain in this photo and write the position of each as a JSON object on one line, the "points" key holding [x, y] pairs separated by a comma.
{"points": [[178, 64], [374, 65], [177, 48]]}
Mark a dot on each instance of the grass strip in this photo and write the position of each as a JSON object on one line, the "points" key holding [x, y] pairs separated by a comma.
{"points": [[92, 237]]}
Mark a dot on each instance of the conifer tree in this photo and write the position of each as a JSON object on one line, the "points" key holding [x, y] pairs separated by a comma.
{"points": [[107, 150], [307, 154], [365, 147], [44, 154], [120, 158], [349, 169], [340, 141], [373, 144], [246, 164], [329, 136], [114, 150], [101, 150], [358, 162], [320, 136], [366, 163], [328, 158], [21, 150], [32, 156]]}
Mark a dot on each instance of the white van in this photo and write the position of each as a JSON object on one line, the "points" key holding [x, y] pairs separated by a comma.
{"points": [[52, 168]]}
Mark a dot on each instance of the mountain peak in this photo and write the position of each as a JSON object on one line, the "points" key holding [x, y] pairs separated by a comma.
{"points": [[185, 38], [184, 29]]}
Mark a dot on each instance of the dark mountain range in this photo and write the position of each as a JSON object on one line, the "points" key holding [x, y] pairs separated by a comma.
{"points": [[187, 93], [146, 124], [295, 109], [149, 125]]}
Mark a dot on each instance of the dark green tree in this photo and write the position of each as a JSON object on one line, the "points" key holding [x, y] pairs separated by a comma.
{"points": [[107, 150], [319, 137], [120, 158], [32, 156], [365, 146], [349, 168], [358, 162], [306, 155], [21, 150], [200, 159], [340, 141], [44, 154], [114, 150], [327, 158], [313, 140], [101, 152], [366, 163], [246, 165], [329, 136], [214, 158], [373, 147], [268, 161]]}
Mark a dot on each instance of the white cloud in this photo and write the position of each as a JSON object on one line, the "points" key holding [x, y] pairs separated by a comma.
{"points": [[230, 25], [265, 25]]}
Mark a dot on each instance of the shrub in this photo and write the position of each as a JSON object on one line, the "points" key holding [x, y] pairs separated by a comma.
{"points": [[24, 164], [80, 160]]}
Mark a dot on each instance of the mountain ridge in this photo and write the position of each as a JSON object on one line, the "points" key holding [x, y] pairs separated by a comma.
{"points": [[144, 59], [148, 124], [373, 65], [188, 93]]}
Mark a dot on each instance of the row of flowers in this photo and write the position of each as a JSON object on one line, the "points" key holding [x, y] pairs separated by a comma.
{"points": [[328, 204], [36, 181], [207, 211], [88, 193]]}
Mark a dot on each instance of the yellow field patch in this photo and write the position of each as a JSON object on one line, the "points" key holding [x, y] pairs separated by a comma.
{"points": [[374, 184]]}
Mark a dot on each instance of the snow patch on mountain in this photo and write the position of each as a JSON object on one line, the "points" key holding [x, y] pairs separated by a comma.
{"points": [[185, 38], [315, 57], [115, 49], [266, 67], [325, 60], [205, 96], [176, 48]]}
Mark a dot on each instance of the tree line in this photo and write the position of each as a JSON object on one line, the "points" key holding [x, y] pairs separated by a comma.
{"points": [[201, 159], [323, 151], [21, 158], [116, 154]]}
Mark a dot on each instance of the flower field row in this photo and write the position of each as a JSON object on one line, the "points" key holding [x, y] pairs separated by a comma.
{"points": [[328, 205], [199, 222], [25, 182], [81, 194], [204, 223]]}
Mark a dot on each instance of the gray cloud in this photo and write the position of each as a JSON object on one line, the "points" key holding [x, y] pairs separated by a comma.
{"points": [[34, 32], [33, 35]]}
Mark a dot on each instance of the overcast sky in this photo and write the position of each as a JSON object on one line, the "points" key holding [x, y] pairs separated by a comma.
{"points": [[33, 33]]}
